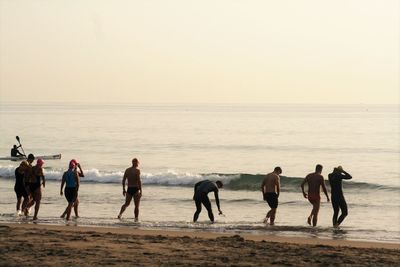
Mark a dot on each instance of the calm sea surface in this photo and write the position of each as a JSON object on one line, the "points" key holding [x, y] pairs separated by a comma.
{"points": [[178, 145]]}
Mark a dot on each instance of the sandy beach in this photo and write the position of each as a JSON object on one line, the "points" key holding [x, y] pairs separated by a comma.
{"points": [[48, 245]]}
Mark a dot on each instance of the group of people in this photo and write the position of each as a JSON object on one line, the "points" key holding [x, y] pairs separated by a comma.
{"points": [[270, 188], [29, 181], [28, 185]]}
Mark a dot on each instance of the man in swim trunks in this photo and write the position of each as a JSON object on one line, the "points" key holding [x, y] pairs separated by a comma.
{"points": [[201, 190], [270, 188], [19, 186], [338, 201], [314, 181], [132, 174]]}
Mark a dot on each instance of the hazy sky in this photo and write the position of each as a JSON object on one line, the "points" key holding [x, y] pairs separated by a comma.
{"points": [[206, 51]]}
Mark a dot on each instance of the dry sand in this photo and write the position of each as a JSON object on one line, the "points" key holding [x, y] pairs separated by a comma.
{"points": [[47, 245]]}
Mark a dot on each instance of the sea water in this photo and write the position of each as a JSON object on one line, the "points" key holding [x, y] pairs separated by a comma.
{"points": [[178, 145]]}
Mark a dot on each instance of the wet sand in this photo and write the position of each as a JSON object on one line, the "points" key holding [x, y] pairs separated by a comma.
{"points": [[48, 245]]}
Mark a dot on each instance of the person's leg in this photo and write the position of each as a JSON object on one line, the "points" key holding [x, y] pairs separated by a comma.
{"points": [[136, 201], [37, 196], [19, 202], [335, 207], [343, 207], [272, 218], [198, 209], [315, 211], [206, 202], [128, 199], [76, 203], [267, 216], [69, 209]]}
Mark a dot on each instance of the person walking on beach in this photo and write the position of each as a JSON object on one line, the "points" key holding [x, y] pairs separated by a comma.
{"points": [[270, 188], [79, 170], [314, 181], [71, 181], [36, 186], [132, 174], [201, 190], [19, 186], [337, 198], [29, 180]]}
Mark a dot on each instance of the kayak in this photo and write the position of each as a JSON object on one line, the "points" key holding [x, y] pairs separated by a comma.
{"points": [[20, 158]]}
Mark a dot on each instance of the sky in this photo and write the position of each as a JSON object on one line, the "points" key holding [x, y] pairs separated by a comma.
{"points": [[209, 51]]}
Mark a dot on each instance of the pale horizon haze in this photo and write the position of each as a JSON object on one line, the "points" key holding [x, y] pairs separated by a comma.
{"points": [[327, 52]]}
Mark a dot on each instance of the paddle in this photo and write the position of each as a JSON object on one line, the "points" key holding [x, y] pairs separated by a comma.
{"points": [[19, 142]]}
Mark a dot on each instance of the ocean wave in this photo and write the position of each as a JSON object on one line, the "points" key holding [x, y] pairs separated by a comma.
{"points": [[233, 181]]}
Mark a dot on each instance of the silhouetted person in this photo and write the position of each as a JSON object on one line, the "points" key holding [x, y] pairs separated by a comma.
{"points": [[337, 198], [15, 152], [201, 190]]}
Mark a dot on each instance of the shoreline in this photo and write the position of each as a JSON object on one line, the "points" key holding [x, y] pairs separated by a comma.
{"points": [[49, 245]]}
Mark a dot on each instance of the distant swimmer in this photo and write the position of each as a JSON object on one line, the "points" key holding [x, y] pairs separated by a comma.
{"points": [[36, 186], [79, 170], [270, 188], [132, 174], [337, 198], [19, 186], [201, 190], [71, 181], [15, 152], [314, 181]]}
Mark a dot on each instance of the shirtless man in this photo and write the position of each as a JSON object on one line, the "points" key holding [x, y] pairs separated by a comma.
{"points": [[270, 188], [132, 174], [314, 181]]}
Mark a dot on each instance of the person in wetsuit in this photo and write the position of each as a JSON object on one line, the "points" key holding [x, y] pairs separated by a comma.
{"points": [[132, 174], [19, 186], [70, 179], [337, 198], [15, 152], [201, 190]]}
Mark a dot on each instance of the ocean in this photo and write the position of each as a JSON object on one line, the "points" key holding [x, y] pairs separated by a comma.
{"points": [[178, 145]]}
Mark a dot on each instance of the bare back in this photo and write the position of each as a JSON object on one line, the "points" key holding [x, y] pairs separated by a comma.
{"points": [[270, 183], [315, 182], [132, 174]]}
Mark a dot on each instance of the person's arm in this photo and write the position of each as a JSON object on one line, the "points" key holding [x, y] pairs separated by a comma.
{"points": [[80, 172], [62, 184], [324, 188], [123, 184], [217, 202], [302, 187], [278, 186], [346, 175]]}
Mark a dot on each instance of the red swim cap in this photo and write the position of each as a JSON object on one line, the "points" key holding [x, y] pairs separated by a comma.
{"points": [[40, 162]]}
